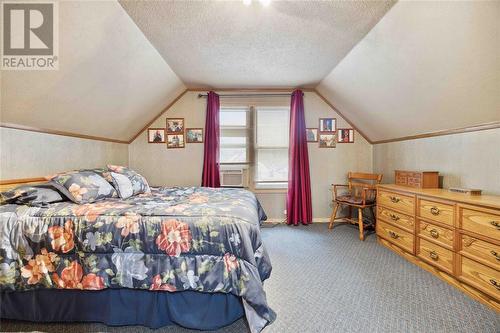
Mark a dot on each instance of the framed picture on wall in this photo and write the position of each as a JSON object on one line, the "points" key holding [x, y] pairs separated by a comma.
{"points": [[194, 135], [175, 140], [156, 135], [175, 125], [327, 124], [345, 135], [312, 134], [327, 140]]}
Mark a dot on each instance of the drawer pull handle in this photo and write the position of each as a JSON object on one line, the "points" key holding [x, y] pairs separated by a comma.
{"points": [[495, 284], [433, 255], [495, 254], [434, 233], [393, 234], [394, 217], [495, 224], [435, 211], [395, 199]]}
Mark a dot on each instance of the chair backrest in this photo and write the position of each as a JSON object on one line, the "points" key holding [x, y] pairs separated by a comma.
{"points": [[360, 180]]}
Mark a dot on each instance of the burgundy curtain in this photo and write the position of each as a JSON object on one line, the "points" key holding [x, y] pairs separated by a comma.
{"points": [[298, 205], [210, 177]]}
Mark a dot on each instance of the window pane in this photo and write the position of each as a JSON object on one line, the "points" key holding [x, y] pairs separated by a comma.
{"points": [[237, 118], [233, 135], [233, 140], [272, 165], [233, 155], [272, 127]]}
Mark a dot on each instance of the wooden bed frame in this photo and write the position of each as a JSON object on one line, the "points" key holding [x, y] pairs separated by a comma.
{"points": [[8, 184]]}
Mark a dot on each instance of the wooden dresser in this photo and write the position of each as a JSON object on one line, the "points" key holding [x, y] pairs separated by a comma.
{"points": [[454, 236]]}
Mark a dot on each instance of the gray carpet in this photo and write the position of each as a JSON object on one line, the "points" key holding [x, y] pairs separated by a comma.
{"points": [[332, 282]]}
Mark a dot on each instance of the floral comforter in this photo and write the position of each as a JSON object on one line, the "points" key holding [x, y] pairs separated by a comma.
{"points": [[174, 239]]}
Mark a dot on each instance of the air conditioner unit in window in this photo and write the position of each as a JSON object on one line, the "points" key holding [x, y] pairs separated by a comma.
{"points": [[233, 177]]}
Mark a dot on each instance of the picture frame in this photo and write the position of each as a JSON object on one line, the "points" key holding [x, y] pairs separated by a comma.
{"points": [[327, 140], [194, 135], [345, 135], [176, 140], [175, 125], [311, 134], [156, 135], [327, 125]]}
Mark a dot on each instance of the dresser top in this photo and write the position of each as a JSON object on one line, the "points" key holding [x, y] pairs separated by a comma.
{"points": [[492, 201]]}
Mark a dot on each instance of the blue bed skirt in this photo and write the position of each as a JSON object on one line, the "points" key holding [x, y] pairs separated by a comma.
{"points": [[119, 307]]}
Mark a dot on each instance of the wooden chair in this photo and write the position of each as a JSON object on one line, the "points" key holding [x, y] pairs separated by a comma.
{"points": [[361, 193]]}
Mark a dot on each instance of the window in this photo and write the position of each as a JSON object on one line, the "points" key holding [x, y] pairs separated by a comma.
{"points": [[259, 134], [271, 147], [234, 134]]}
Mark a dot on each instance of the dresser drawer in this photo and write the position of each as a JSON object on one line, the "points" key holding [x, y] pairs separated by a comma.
{"points": [[480, 222], [396, 235], [415, 179], [480, 276], [435, 255], [401, 220], [401, 179], [480, 250], [400, 202], [408, 178], [436, 211], [437, 234]]}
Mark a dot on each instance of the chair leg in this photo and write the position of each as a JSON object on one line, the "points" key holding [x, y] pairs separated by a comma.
{"points": [[334, 215], [360, 222]]}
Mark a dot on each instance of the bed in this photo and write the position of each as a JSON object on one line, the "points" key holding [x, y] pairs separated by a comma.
{"points": [[185, 255]]}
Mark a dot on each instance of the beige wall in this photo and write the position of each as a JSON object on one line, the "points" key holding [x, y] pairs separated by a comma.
{"points": [[25, 154], [464, 160], [163, 166]]}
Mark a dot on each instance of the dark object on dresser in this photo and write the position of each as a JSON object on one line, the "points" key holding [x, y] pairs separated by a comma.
{"points": [[419, 179]]}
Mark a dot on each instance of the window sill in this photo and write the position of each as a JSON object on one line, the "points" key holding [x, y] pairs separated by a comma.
{"points": [[270, 187]]}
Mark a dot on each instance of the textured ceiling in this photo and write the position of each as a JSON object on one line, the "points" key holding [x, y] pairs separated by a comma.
{"points": [[111, 81], [426, 66], [226, 44]]}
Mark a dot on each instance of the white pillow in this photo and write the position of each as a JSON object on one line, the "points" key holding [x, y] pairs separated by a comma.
{"points": [[123, 185]]}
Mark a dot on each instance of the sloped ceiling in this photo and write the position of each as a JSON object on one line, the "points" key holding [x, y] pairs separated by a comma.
{"points": [[226, 44], [111, 81], [426, 66]]}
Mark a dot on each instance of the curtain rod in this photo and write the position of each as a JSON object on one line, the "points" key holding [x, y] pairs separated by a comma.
{"points": [[249, 95]]}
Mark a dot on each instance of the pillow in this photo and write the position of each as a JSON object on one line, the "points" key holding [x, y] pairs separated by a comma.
{"points": [[128, 182], [103, 172], [31, 195], [83, 186], [12, 195]]}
